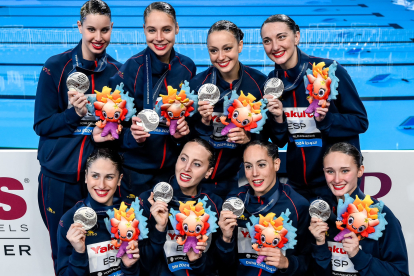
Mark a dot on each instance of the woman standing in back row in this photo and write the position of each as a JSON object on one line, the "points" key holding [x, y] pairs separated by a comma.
{"points": [[308, 135], [225, 43], [61, 119], [150, 157]]}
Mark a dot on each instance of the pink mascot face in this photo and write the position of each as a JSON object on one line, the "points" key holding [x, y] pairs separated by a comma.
{"points": [[270, 232], [320, 83], [124, 225], [358, 222], [192, 220], [112, 112], [321, 87]]}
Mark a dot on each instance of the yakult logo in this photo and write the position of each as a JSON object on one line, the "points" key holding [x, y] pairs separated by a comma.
{"points": [[338, 250], [172, 236], [246, 234], [103, 249], [215, 118], [293, 114]]}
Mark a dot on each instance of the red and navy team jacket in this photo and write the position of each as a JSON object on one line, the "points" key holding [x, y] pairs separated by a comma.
{"points": [[385, 256], [62, 155], [98, 248], [346, 119], [277, 200], [206, 265], [158, 151], [228, 160]]}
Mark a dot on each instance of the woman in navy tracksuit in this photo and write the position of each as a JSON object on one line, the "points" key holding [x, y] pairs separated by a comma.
{"points": [[65, 130], [194, 163], [91, 252], [385, 256], [150, 157], [307, 137], [264, 194], [225, 43]]}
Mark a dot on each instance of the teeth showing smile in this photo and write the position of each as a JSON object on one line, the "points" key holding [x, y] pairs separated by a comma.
{"points": [[258, 182], [101, 193], [185, 177], [97, 45], [160, 46], [223, 64], [279, 54], [339, 187]]}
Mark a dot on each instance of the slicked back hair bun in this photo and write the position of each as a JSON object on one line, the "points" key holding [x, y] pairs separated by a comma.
{"points": [[282, 18], [94, 7], [225, 25], [160, 6]]}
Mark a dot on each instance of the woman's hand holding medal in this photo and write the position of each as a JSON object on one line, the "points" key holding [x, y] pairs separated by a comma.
{"points": [[275, 107], [318, 228], [79, 101], [132, 248], [138, 132], [159, 210], [76, 237], [206, 111], [227, 222]]}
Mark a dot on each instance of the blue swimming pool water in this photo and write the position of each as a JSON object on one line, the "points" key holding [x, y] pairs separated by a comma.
{"points": [[373, 40]]}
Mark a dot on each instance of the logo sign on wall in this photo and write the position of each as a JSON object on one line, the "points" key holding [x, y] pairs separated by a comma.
{"points": [[24, 239]]}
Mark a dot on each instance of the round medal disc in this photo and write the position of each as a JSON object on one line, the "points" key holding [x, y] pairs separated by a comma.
{"points": [[78, 81], [85, 216], [149, 119], [274, 87], [235, 205], [320, 209], [163, 192], [209, 93]]}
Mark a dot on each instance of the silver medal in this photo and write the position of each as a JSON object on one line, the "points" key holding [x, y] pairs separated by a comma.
{"points": [[235, 205], [85, 216], [163, 192], [149, 119], [78, 81], [320, 209], [209, 93], [274, 87]]}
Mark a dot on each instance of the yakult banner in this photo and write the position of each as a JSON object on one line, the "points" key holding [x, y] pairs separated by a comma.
{"points": [[24, 241]]}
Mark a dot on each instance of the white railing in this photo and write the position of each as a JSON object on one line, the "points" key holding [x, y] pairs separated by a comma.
{"points": [[309, 37]]}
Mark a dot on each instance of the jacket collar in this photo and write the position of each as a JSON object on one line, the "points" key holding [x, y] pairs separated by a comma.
{"points": [[291, 78], [178, 194], [158, 67], [258, 205], [100, 208], [266, 196], [224, 84], [88, 66]]}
